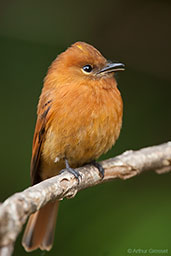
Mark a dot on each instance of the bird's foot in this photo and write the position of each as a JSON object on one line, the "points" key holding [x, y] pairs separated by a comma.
{"points": [[99, 167], [72, 171]]}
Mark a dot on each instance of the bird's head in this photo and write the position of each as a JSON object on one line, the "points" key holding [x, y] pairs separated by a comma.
{"points": [[81, 61]]}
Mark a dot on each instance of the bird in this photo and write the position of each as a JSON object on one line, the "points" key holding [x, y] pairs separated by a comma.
{"points": [[79, 117]]}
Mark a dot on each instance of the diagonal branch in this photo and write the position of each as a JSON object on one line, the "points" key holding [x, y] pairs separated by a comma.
{"points": [[15, 210]]}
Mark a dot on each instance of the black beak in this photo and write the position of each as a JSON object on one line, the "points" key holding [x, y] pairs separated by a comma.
{"points": [[111, 67]]}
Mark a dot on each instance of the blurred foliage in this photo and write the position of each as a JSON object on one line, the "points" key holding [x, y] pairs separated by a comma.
{"points": [[110, 218]]}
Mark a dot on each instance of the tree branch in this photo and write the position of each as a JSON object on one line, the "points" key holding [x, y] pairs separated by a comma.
{"points": [[15, 210]]}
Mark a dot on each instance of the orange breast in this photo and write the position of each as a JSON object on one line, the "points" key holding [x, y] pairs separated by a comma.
{"points": [[86, 123]]}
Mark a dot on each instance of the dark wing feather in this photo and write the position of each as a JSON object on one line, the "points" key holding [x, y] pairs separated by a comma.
{"points": [[38, 139]]}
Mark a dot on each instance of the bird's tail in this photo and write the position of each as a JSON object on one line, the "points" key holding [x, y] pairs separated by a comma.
{"points": [[40, 229]]}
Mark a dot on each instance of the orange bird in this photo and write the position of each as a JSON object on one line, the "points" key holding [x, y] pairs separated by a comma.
{"points": [[79, 118]]}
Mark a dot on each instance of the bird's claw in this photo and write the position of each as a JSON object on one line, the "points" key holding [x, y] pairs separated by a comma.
{"points": [[72, 171], [99, 167]]}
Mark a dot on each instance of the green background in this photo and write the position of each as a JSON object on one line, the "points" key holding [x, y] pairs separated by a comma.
{"points": [[111, 218]]}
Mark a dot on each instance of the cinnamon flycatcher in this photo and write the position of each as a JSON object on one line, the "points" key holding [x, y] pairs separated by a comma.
{"points": [[79, 118]]}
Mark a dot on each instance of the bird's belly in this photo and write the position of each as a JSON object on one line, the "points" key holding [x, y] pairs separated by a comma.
{"points": [[80, 148], [81, 137], [90, 142]]}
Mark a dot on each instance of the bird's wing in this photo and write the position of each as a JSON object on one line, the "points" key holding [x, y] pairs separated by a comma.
{"points": [[41, 128]]}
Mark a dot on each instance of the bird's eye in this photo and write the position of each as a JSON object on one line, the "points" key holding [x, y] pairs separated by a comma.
{"points": [[87, 68]]}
